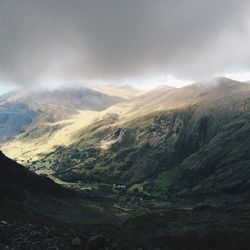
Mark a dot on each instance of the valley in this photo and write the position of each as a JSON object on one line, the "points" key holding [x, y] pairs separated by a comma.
{"points": [[124, 125], [161, 169]]}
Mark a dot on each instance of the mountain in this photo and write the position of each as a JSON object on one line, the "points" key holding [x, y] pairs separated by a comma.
{"points": [[167, 169], [37, 108], [165, 97], [222, 99], [69, 98], [123, 91], [45, 132], [184, 152], [157, 151]]}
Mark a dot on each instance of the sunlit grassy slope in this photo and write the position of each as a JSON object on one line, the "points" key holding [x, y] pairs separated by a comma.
{"points": [[24, 149]]}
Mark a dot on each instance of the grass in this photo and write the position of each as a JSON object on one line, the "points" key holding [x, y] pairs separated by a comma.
{"points": [[165, 179], [30, 150]]}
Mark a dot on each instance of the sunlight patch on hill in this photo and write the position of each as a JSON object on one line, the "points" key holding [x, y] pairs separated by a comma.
{"points": [[31, 149]]}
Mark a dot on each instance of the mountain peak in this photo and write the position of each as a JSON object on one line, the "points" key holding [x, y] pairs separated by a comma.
{"points": [[218, 82], [223, 80]]}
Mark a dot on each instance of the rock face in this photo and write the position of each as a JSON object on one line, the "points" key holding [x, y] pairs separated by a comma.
{"points": [[165, 127], [113, 138]]}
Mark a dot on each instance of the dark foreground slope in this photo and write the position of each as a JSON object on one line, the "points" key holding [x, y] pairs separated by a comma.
{"points": [[36, 213], [22, 194], [16, 182]]}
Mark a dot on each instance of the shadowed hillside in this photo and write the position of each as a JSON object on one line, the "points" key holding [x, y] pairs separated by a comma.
{"points": [[36, 213], [16, 180]]}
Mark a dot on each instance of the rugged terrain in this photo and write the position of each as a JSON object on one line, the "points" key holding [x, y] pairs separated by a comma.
{"points": [[165, 169]]}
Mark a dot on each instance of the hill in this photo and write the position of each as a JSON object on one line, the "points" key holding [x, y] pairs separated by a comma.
{"points": [[15, 180], [36, 213]]}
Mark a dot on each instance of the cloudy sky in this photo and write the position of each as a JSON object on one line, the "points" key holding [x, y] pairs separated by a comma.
{"points": [[140, 42]]}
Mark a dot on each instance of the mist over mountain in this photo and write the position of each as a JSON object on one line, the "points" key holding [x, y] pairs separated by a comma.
{"points": [[125, 125], [35, 107], [113, 42]]}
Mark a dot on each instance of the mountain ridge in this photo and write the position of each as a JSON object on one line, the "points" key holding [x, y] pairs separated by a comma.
{"points": [[155, 100]]}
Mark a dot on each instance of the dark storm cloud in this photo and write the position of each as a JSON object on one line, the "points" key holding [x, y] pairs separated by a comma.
{"points": [[110, 40]]}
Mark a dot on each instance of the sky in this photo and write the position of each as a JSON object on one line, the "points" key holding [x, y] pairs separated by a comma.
{"points": [[138, 42]]}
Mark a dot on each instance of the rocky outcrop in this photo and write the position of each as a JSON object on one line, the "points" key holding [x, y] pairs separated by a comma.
{"points": [[165, 127], [112, 138]]}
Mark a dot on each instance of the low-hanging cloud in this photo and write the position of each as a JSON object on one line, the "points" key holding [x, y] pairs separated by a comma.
{"points": [[112, 40]]}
